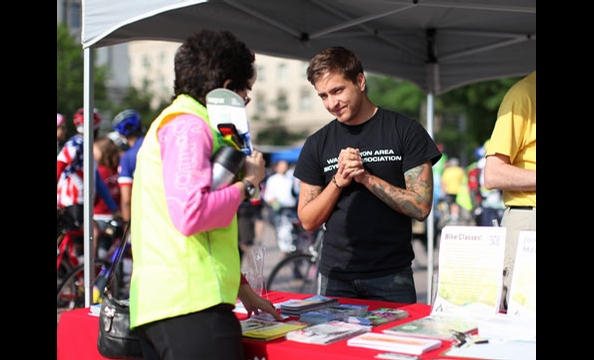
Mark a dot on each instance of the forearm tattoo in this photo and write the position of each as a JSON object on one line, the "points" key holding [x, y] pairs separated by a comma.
{"points": [[408, 201]]}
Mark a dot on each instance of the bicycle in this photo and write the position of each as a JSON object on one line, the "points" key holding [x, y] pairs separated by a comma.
{"points": [[69, 244], [298, 271], [71, 291], [67, 233]]}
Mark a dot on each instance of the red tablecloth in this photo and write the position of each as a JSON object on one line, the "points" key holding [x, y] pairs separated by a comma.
{"points": [[77, 336]]}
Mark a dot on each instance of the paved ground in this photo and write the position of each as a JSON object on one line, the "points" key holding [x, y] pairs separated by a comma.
{"points": [[419, 266]]}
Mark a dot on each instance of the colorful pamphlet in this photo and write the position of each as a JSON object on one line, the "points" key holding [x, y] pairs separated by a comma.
{"points": [[351, 309], [327, 333], [434, 327], [379, 316], [268, 330], [334, 312], [401, 344], [297, 307], [322, 316]]}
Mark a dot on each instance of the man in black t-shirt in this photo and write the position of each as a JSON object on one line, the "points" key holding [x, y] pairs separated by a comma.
{"points": [[366, 175]]}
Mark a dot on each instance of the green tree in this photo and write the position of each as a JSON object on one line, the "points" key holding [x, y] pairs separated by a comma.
{"points": [[397, 95], [141, 100], [463, 117], [478, 104], [70, 76]]}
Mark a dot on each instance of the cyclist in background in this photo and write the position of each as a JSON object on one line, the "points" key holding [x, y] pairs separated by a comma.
{"points": [[127, 124], [280, 196], [107, 156], [70, 180], [452, 181], [62, 132]]}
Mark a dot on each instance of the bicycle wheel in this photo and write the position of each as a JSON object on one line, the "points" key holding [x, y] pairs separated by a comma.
{"points": [[63, 270], [71, 292], [297, 273]]}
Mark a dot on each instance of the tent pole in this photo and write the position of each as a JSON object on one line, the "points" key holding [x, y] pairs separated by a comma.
{"points": [[430, 218], [89, 173]]}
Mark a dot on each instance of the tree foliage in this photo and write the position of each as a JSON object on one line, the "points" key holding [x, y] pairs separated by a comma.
{"points": [[470, 113], [141, 100], [397, 95], [463, 118], [70, 84], [70, 77]]}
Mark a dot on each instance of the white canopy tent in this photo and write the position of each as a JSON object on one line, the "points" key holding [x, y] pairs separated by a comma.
{"points": [[436, 44]]}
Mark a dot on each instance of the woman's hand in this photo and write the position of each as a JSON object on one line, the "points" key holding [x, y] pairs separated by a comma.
{"points": [[254, 169], [254, 303]]}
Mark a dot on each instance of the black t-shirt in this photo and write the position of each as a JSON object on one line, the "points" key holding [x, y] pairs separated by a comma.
{"points": [[364, 237]]}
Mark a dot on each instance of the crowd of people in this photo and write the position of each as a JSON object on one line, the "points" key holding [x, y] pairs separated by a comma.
{"points": [[461, 197], [366, 175], [70, 181], [115, 153]]}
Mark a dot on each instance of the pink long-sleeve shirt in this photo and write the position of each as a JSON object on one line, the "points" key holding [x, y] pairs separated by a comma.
{"points": [[186, 148]]}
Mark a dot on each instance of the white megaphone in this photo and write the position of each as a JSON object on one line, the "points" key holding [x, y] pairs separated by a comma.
{"points": [[226, 108]]}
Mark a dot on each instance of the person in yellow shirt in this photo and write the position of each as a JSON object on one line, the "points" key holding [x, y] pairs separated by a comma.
{"points": [[452, 180], [511, 166]]}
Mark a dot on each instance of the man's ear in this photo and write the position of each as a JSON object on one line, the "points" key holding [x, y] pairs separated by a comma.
{"points": [[361, 82], [226, 83]]}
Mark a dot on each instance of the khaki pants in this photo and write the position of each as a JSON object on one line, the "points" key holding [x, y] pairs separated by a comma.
{"points": [[514, 220]]}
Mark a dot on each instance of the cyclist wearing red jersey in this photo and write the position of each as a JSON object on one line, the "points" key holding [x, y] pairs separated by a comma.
{"points": [[127, 124], [70, 178]]}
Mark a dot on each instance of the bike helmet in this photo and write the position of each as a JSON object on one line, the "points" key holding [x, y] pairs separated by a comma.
{"points": [[126, 122], [61, 120], [79, 119], [479, 152]]}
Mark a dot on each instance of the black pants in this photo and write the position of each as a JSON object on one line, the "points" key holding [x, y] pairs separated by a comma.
{"points": [[210, 334]]}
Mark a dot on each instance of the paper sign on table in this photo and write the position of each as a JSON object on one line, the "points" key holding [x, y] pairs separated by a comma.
{"points": [[470, 270], [522, 295]]}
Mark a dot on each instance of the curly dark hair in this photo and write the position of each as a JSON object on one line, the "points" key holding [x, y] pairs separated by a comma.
{"points": [[206, 59]]}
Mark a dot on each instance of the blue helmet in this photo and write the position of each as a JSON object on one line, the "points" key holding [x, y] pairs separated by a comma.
{"points": [[127, 122], [479, 152]]}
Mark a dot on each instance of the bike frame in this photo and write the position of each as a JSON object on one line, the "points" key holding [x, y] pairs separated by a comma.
{"points": [[66, 247]]}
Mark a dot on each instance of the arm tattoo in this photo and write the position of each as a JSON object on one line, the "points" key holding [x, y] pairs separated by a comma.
{"points": [[419, 190], [312, 193]]}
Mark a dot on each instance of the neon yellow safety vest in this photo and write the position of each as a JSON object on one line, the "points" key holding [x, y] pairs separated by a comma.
{"points": [[174, 274]]}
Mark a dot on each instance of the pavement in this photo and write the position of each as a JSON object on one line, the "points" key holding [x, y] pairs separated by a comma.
{"points": [[273, 255]]}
